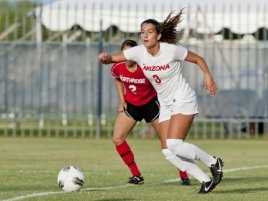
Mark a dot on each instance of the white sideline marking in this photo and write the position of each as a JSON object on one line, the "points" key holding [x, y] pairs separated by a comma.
{"points": [[122, 186], [32, 195], [225, 171]]}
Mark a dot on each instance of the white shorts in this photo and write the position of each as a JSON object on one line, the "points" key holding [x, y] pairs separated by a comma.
{"points": [[187, 108]]}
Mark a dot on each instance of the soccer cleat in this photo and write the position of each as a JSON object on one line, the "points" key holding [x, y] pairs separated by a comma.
{"points": [[185, 181], [136, 180], [216, 171], [206, 187]]}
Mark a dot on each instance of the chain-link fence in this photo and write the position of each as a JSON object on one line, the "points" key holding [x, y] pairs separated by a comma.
{"points": [[50, 83]]}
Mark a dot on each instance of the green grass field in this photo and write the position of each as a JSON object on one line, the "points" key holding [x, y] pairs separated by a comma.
{"points": [[29, 167]]}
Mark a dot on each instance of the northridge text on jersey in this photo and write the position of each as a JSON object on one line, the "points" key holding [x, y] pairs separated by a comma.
{"points": [[132, 80]]}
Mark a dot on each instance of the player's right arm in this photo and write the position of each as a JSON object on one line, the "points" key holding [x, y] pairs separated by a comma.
{"points": [[120, 91], [106, 58]]}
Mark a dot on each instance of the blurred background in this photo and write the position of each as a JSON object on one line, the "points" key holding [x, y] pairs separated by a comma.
{"points": [[51, 83]]}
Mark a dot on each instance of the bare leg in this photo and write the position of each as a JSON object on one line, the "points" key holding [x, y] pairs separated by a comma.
{"points": [[178, 131], [122, 127], [179, 127], [162, 134]]}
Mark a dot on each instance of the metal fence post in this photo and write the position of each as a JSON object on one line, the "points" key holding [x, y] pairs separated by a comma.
{"points": [[99, 91]]}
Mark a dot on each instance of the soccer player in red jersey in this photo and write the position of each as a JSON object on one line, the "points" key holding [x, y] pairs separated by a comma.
{"points": [[138, 100]]}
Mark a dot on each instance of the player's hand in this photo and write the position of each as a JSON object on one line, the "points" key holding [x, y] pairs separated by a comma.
{"points": [[210, 85], [105, 58], [122, 106]]}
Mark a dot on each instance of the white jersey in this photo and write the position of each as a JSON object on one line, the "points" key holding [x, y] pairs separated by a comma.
{"points": [[164, 71]]}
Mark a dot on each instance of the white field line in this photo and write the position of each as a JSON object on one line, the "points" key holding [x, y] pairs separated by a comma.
{"points": [[23, 197]]}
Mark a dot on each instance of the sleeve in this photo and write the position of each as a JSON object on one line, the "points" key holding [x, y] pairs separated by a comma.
{"points": [[132, 53], [115, 71], [180, 52]]}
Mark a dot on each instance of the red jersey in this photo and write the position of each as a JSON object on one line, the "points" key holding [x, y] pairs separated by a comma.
{"points": [[138, 89]]}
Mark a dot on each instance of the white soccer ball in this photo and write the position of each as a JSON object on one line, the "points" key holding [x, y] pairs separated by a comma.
{"points": [[70, 179]]}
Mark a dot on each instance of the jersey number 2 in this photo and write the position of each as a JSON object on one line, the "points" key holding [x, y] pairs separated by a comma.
{"points": [[157, 79], [132, 88]]}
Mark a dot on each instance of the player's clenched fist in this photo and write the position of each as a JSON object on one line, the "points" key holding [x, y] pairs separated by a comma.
{"points": [[105, 58]]}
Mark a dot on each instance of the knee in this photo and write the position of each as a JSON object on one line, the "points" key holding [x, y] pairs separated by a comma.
{"points": [[174, 160], [167, 153], [174, 145], [118, 140]]}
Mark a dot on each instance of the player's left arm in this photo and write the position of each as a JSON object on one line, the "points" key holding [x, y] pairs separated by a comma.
{"points": [[200, 61]]}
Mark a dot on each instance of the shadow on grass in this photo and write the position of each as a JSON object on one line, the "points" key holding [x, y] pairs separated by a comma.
{"points": [[30, 188], [241, 190], [116, 199], [243, 179], [235, 187], [228, 185]]}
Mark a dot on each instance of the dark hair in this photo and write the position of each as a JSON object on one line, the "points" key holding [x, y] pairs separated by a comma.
{"points": [[167, 28], [128, 42]]}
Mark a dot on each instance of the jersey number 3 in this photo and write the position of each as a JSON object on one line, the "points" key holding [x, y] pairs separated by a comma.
{"points": [[157, 79]]}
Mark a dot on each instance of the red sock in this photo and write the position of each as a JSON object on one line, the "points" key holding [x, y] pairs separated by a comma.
{"points": [[127, 156], [183, 175]]}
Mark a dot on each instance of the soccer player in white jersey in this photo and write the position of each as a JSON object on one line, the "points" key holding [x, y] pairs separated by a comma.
{"points": [[138, 101], [160, 57]]}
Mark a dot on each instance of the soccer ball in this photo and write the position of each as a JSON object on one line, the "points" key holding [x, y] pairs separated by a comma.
{"points": [[70, 179]]}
